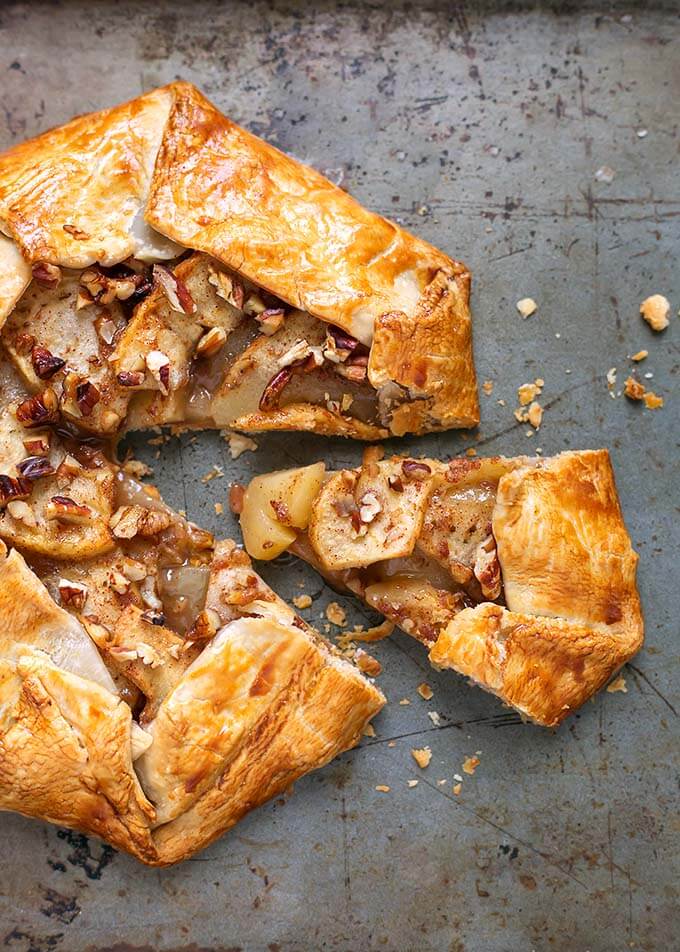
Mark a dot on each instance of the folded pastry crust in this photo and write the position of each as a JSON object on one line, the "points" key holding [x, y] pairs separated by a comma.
{"points": [[153, 689], [166, 172], [518, 573]]}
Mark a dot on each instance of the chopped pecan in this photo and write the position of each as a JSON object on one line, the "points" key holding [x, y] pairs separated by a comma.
{"points": [[270, 320], [38, 445], [38, 410], [296, 352], [205, 626], [130, 521], [395, 483], [354, 370], [11, 488], [339, 345], [412, 469], [24, 343], [65, 509], [211, 342], [369, 507], [47, 275], [87, 397], [228, 287], [159, 367], [487, 568], [35, 467], [254, 305], [22, 512], [72, 594], [45, 364], [201, 539], [131, 378], [103, 288], [174, 289], [272, 392]]}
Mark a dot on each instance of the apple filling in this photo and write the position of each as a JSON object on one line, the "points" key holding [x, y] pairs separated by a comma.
{"points": [[413, 538]]}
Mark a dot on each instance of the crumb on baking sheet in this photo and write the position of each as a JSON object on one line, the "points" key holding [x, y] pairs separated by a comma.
{"points": [[605, 174], [412, 783], [422, 756], [425, 691], [526, 306], [471, 451], [366, 663], [359, 633], [611, 377], [635, 390], [238, 443], [336, 614], [529, 391], [302, 601], [219, 508], [404, 701], [535, 414], [215, 473], [470, 764], [435, 718], [618, 684], [487, 387], [655, 310], [369, 730], [382, 788], [457, 788], [641, 354]]}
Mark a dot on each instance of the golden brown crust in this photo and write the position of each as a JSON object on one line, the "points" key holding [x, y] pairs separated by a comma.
{"points": [[541, 546], [167, 171]]}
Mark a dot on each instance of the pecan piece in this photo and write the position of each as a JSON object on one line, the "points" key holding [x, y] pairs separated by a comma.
{"points": [[487, 568], [412, 469], [22, 512], [131, 378], [65, 509], [72, 594], [211, 342], [102, 288], [159, 367], [38, 445], [35, 467], [174, 289], [272, 392], [87, 397], [45, 364], [205, 626], [11, 488], [130, 521], [47, 275], [339, 345], [236, 494], [38, 410], [228, 287], [270, 320]]}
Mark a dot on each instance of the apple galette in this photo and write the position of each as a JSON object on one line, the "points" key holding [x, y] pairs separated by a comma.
{"points": [[517, 573], [153, 688], [161, 265]]}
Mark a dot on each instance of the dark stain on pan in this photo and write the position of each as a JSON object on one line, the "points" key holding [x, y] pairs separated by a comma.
{"points": [[84, 855]]}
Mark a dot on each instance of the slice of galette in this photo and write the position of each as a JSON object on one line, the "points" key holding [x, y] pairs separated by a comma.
{"points": [[162, 265], [154, 689], [517, 573]]}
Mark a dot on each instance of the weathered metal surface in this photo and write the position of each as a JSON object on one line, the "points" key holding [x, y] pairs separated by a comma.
{"points": [[482, 132]]}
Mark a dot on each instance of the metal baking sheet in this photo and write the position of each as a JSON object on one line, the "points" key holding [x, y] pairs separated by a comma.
{"points": [[480, 127]]}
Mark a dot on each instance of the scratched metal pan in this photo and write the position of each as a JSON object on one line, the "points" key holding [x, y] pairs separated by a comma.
{"points": [[481, 131]]}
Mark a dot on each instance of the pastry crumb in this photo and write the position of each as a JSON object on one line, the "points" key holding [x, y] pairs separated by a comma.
{"points": [[605, 174], [302, 601], [215, 473], [404, 701], [487, 387], [526, 307], [470, 764], [611, 377], [238, 443], [641, 354], [618, 684], [219, 508], [412, 783], [535, 415], [392, 743], [422, 756], [425, 691], [336, 614], [471, 451], [369, 730], [457, 788], [366, 663], [382, 788], [435, 718], [529, 391], [655, 311], [635, 390]]}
